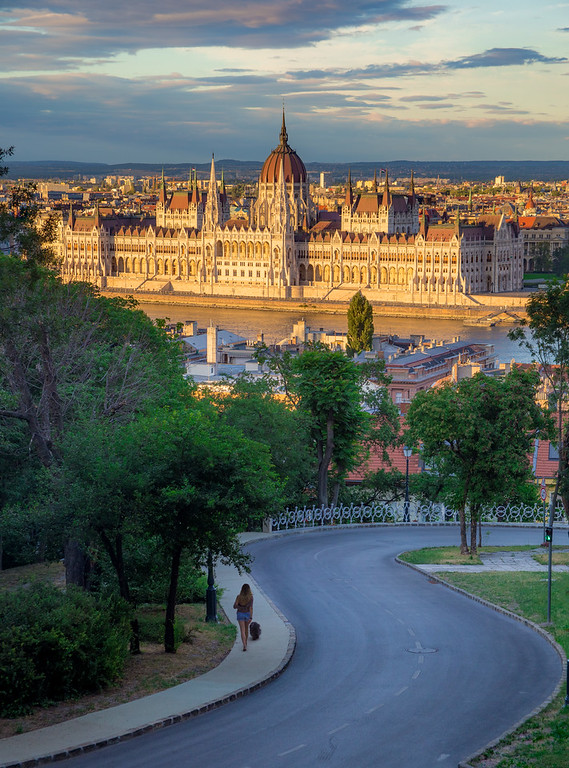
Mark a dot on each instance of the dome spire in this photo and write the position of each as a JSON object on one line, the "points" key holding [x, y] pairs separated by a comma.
{"points": [[284, 134]]}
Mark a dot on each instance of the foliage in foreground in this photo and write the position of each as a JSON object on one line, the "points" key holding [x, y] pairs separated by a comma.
{"points": [[54, 645]]}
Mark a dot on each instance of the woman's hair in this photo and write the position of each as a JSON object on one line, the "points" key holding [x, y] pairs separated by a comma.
{"points": [[244, 597]]}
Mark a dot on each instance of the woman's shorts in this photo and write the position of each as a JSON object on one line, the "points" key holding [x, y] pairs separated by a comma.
{"points": [[241, 616]]}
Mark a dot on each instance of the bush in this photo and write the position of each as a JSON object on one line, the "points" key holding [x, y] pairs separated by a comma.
{"points": [[56, 644], [151, 626]]}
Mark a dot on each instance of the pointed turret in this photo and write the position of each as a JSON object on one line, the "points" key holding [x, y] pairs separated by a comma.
{"points": [[412, 190], [470, 200], [386, 200], [213, 204], [71, 217], [195, 192], [374, 180], [162, 196], [349, 201], [97, 221]]}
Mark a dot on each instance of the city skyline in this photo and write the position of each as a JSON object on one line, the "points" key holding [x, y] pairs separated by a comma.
{"points": [[387, 79]]}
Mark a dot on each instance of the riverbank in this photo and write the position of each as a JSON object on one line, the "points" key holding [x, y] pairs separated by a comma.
{"points": [[512, 305]]}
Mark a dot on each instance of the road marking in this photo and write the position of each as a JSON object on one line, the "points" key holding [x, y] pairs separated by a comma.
{"points": [[290, 751], [442, 757], [373, 709], [341, 728], [410, 631], [421, 659], [401, 621], [402, 690], [416, 674]]}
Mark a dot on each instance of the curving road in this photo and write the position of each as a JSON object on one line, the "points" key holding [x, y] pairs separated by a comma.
{"points": [[390, 671]]}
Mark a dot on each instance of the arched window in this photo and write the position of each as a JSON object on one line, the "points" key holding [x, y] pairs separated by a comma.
{"points": [[310, 273], [318, 273]]}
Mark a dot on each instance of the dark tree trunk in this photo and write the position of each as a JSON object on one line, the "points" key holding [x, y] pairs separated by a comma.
{"points": [[169, 640], [77, 564], [116, 557], [473, 529], [325, 453]]}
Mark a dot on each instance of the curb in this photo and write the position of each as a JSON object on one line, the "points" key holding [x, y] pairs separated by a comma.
{"points": [[532, 625], [174, 719]]}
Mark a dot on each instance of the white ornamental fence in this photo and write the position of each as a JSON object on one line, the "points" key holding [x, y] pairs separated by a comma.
{"points": [[410, 513]]}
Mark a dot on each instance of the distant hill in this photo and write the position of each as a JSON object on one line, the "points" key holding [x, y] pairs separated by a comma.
{"points": [[475, 170]]}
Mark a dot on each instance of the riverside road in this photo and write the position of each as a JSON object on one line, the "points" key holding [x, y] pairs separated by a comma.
{"points": [[390, 670]]}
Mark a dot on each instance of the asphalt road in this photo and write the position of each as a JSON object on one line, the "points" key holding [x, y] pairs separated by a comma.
{"points": [[390, 671]]}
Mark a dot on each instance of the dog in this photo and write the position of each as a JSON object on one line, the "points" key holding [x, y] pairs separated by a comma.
{"points": [[255, 630]]}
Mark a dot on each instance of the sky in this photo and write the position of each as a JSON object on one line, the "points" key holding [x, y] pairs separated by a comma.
{"points": [[118, 81]]}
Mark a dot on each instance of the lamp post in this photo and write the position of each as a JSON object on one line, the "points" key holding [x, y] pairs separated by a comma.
{"points": [[211, 592], [407, 453]]}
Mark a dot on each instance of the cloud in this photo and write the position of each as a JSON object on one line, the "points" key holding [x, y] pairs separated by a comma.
{"points": [[59, 29], [503, 57]]}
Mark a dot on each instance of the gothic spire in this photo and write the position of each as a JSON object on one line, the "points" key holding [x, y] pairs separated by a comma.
{"points": [[284, 134], [349, 201], [412, 190], [386, 201]]}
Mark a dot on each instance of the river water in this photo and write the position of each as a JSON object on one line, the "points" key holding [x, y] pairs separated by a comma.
{"points": [[277, 325]]}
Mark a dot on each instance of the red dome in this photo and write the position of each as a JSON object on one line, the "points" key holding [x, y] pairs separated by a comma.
{"points": [[283, 155]]}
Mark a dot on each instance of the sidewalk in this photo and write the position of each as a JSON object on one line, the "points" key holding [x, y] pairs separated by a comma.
{"points": [[239, 673]]}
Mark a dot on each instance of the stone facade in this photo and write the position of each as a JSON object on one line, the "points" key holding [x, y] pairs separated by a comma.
{"points": [[379, 243]]}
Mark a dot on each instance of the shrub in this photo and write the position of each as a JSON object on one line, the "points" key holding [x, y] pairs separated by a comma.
{"points": [[56, 644]]}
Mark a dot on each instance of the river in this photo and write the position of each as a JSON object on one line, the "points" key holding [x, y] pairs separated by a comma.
{"points": [[277, 325]]}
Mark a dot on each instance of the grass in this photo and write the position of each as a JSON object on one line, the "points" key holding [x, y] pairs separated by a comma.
{"points": [[439, 556], [557, 557], [543, 740]]}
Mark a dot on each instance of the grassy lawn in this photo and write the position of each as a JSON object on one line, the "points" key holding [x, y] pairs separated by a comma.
{"points": [[452, 556], [560, 557], [543, 741]]}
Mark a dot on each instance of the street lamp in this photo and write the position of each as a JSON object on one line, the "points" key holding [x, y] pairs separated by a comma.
{"points": [[407, 453], [211, 592]]}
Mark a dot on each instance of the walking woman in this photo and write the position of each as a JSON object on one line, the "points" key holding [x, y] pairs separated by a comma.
{"points": [[244, 605]]}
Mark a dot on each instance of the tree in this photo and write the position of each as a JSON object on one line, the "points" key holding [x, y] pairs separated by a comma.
{"points": [[346, 405], [360, 323], [548, 341], [207, 483], [28, 233], [477, 436], [252, 407], [68, 353]]}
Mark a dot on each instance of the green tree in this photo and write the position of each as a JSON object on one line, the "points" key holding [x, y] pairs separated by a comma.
{"points": [[252, 407], [347, 407], [360, 323], [477, 437], [207, 483], [545, 333]]}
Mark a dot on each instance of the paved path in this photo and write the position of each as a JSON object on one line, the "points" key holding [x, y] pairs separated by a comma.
{"points": [[239, 673]]}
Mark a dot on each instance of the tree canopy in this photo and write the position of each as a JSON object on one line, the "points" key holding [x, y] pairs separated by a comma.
{"points": [[545, 333], [476, 436], [360, 323], [346, 406]]}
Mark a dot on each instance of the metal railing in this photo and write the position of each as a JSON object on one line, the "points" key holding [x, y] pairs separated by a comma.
{"points": [[416, 514]]}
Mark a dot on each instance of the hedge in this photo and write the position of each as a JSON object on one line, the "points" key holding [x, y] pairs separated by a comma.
{"points": [[58, 644]]}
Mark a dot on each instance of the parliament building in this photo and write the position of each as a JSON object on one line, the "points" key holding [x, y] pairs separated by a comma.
{"points": [[380, 243]]}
